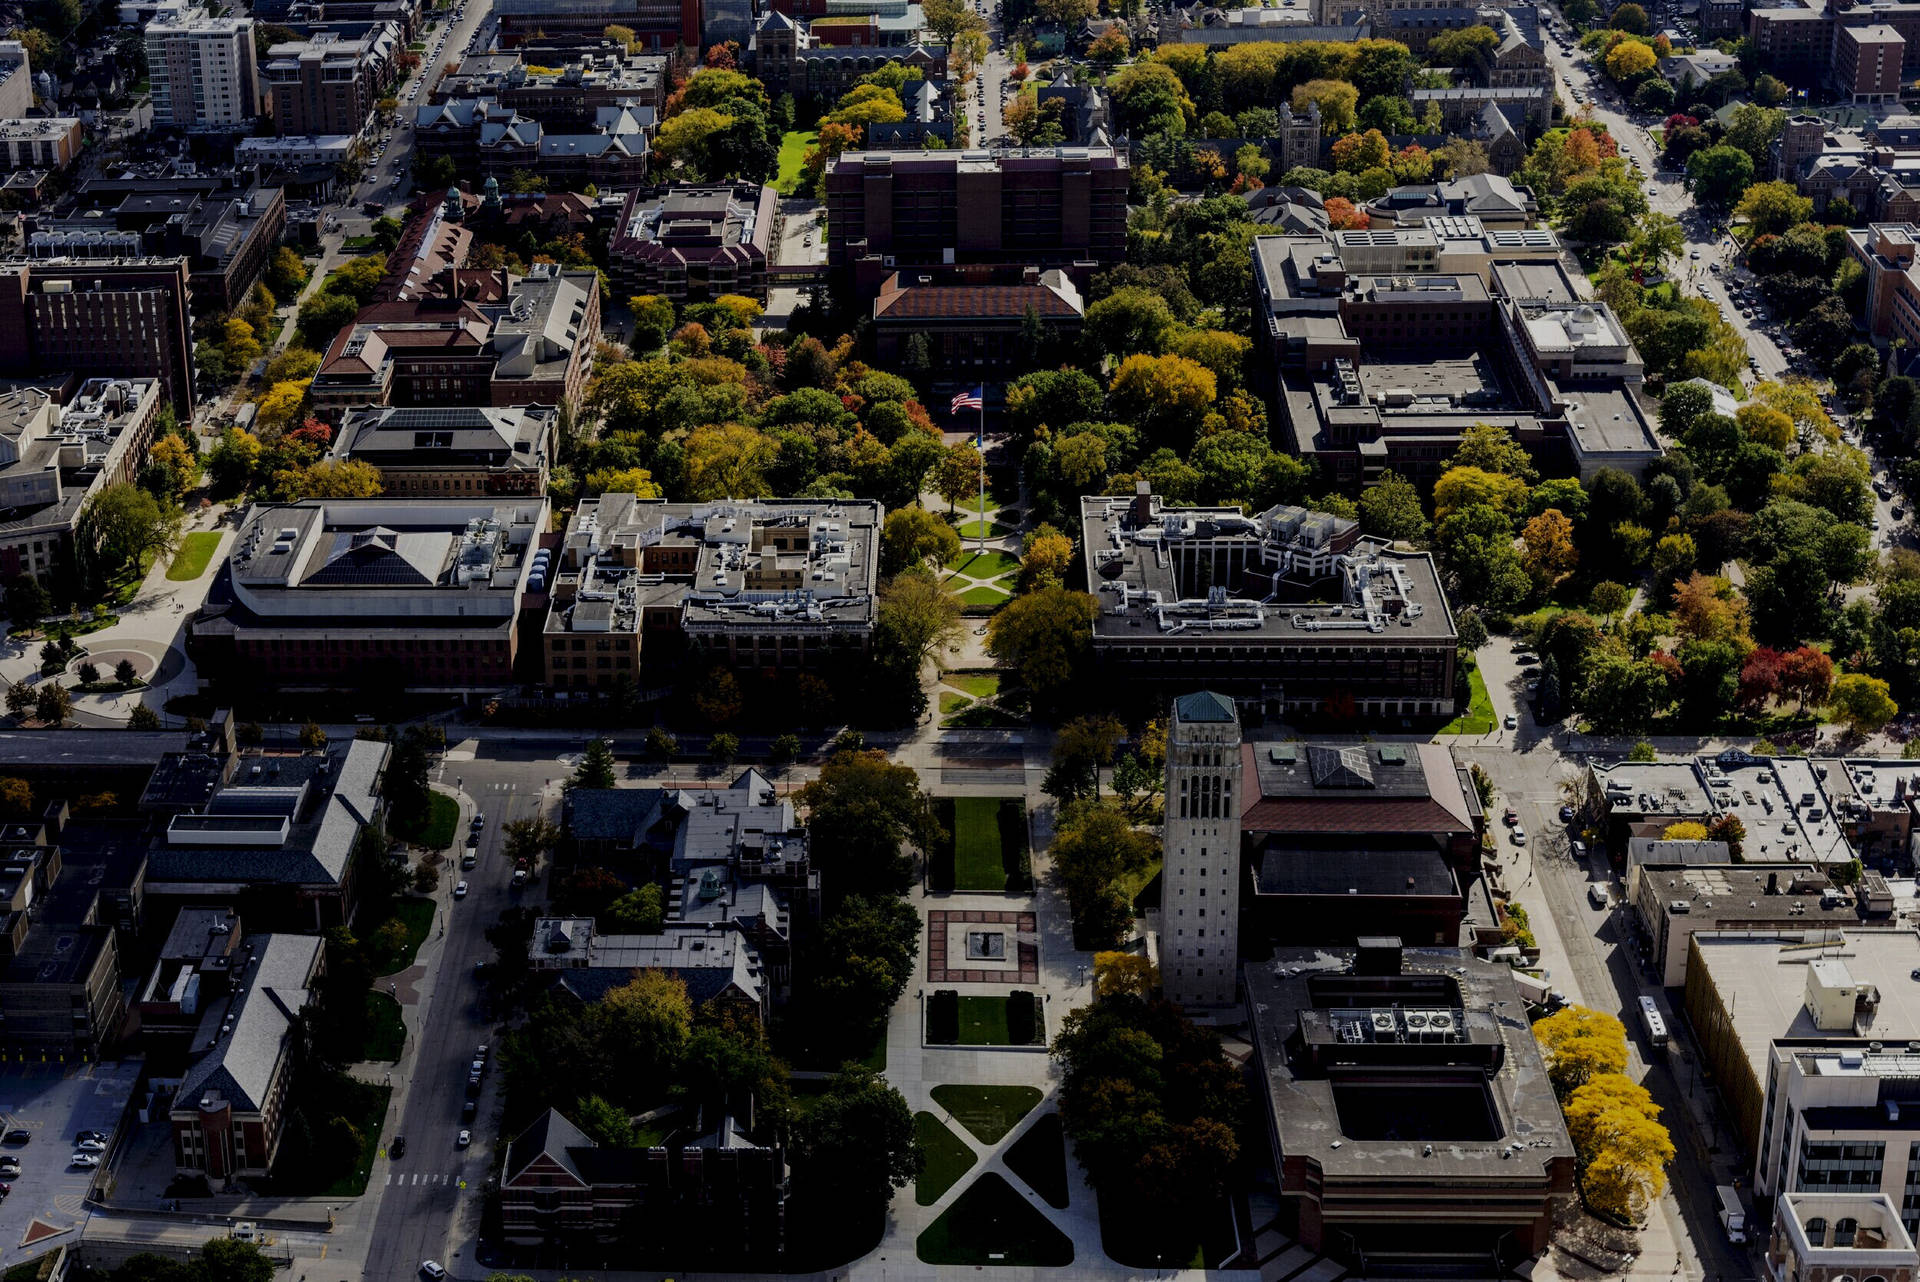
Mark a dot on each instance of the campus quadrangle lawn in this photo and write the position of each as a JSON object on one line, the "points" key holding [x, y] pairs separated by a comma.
{"points": [[948, 1158], [988, 1111], [977, 860], [793, 157], [190, 561]]}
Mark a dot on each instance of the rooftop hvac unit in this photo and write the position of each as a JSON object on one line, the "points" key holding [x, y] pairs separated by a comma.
{"points": [[1382, 1022]]}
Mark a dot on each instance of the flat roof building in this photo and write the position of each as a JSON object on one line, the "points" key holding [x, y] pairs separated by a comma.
{"points": [[118, 318], [1834, 1234], [693, 243], [1672, 902], [1208, 594], [53, 458], [1390, 344], [1408, 1108], [424, 594], [775, 583]]}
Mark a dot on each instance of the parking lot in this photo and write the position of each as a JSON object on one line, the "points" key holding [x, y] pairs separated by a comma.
{"points": [[53, 1102]]}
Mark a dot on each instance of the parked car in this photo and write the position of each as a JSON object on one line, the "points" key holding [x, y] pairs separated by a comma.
{"points": [[1596, 894], [1566, 814], [1519, 836], [88, 1160], [9, 1167], [398, 1148], [91, 1146], [431, 1269], [460, 890], [469, 861], [468, 1109], [1511, 722], [466, 1138], [19, 1135]]}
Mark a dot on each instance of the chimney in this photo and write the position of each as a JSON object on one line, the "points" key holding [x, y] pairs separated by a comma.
{"points": [[1141, 511]]}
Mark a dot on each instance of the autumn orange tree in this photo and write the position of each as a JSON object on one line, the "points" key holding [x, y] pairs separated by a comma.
{"points": [[1623, 1149]]}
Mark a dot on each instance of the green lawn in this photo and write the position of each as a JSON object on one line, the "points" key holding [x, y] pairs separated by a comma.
{"points": [[296, 1173], [793, 156], [984, 565], [991, 1224], [987, 1111], [1141, 1240], [985, 594], [443, 815], [948, 1158], [990, 529], [386, 1033], [979, 685], [951, 703], [357, 244], [417, 915], [977, 862], [190, 562], [1040, 1158], [1478, 718]]}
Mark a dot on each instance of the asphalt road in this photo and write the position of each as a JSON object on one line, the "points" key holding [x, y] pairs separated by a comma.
{"points": [[425, 1212], [1606, 975], [390, 178]]}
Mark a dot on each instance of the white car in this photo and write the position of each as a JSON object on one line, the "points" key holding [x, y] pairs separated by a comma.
{"points": [[432, 1269], [84, 1159], [91, 1146], [1519, 836], [466, 1138], [460, 891]]}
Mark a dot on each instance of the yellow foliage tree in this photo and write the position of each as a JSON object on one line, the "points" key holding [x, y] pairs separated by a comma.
{"points": [[1580, 1044], [623, 480], [1591, 1110], [348, 479], [1765, 425], [1464, 487], [1685, 830], [1627, 1168], [1045, 558], [1630, 60], [728, 462], [282, 403], [1549, 554], [1116, 973]]}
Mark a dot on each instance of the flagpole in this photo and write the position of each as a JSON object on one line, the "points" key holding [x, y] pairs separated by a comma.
{"points": [[980, 450]]}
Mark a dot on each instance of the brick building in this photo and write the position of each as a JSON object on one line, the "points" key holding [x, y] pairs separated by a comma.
{"points": [[328, 84], [452, 450], [1060, 207], [692, 243], [127, 318]]}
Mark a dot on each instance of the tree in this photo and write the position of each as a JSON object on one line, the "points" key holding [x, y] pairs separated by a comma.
{"points": [[1579, 1044], [1081, 749], [1095, 847], [856, 1145], [312, 737], [1630, 17], [1045, 557], [948, 18], [1720, 174], [27, 600], [1806, 674], [1336, 99], [862, 965], [1629, 61], [230, 1260], [171, 470], [20, 699], [862, 808], [1608, 597], [1165, 396], [1730, 829], [1044, 635], [143, 718], [596, 768], [1549, 553], [1686, 830], [1773, 207], [1460, 488], [1127, 321], [52, 704], [638, 912], [604, 1122], [1115, 973], [1861, 703], [118, 528], [1390, 508], [1658, 238], [643, 1025], [652, 322], [16, 797], [957, 474]]}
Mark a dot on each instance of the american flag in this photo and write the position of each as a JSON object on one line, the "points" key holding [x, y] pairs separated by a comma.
{"points": [[976, 399]]}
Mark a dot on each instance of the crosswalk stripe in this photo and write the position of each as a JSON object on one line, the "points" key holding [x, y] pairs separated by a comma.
{"points": [[389, 1178]]}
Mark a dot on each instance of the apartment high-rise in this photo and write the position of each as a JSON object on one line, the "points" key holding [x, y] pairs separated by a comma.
{"points": [[1200, 895], [202, 72], [329, 84]]}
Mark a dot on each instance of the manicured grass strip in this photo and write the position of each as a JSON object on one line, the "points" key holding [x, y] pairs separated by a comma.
{"points": [[986, 529], [980, 686], [947, 1158], [984, 565], [991, 1224], [1478, 718], [989, 1112], [417, 915], [793, 158], [386, 1033], [443, 814], [977, 864], [951, 702], [983, 1021], [1040, 1158], [190, 562], [985, 594]]}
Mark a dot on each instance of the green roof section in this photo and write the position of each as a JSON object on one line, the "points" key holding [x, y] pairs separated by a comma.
{"points": [[1204, 705]]}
